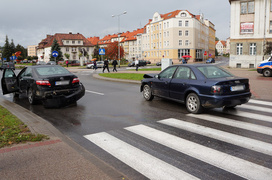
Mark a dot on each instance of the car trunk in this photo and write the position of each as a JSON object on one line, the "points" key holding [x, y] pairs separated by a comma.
{"points": [[234, 86]]}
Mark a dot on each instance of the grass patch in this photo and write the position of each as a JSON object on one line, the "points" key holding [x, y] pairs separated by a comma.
{"points": [[129, 76], [13, 131]]}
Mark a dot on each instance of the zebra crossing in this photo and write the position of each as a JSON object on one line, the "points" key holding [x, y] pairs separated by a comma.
{"points": [[203, 146]]}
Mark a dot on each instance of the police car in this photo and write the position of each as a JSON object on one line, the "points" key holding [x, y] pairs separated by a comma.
{"points": [[265, 67]]}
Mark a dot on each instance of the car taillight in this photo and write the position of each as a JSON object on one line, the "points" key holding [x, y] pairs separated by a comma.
{"points": [[216, 89], [43, 83], [75, 80]]}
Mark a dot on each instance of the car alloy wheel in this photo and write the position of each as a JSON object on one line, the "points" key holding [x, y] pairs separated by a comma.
{"points": [[147, 93], [193, 104], [30, 95], [267, 73]]}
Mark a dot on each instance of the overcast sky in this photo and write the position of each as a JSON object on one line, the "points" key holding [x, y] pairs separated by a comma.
{"points": [[27, 22]]}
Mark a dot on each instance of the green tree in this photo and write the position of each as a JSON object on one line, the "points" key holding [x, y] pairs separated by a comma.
{"points": [[216, 52], [6, 49], [67, 56], [22, 50], [12, 47], [268, 48], [96, 52], [55, 47], [216, 39]]}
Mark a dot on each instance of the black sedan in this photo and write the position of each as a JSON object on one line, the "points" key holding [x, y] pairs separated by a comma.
{"points": [[54, 85], [199, 86]]}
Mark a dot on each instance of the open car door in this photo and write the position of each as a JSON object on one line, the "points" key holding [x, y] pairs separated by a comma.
{"points": [[9, 81]]}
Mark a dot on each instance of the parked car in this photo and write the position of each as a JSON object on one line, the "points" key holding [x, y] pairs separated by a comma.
{"points": [[99, 64], [158, 64], [54, 85], [7, 65], [75, 63], [40, 63], [141, 63], [210, 60], [199, 86], [51, 63]]}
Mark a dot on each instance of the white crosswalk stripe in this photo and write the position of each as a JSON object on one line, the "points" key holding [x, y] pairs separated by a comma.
{"points": [[154, 168], [137, 159], [252, 144]]}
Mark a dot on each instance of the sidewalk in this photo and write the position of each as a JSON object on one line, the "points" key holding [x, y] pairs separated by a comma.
{"points": [[56, 158]]}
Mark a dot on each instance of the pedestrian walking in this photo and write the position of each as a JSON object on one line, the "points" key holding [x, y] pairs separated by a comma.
{"points": [[114, 63], [67, 63], [106, 65], [137, 64], [94, 65]]}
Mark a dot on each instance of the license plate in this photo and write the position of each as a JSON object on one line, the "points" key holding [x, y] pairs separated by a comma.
{"points": [[237, 88], [59, 83]]}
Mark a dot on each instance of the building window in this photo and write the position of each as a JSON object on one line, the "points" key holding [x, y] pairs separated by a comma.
{"points": [[180, 42], [67, 49], [67, 42], [252, 49], [180, 33], [186, 23], [247, 7], [239, 48], [183, 14], [78, 42], [73, 42], [167, 33], [180, 23], [186, 33], [187, 43]]}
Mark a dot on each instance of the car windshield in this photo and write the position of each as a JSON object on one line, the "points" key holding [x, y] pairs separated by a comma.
{"points": [[213, 72], [51, 70]]}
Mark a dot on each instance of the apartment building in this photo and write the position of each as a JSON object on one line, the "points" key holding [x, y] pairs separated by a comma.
{"points": [[178, 33], [69, 43], [221, 47], [251, 28], [31, 50]]}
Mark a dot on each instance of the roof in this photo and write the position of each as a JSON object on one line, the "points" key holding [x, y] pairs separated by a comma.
{"points": [[48, 41]]}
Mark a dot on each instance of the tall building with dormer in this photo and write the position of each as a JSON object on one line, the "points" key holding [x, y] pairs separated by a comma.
{"points": [[250, 29]]}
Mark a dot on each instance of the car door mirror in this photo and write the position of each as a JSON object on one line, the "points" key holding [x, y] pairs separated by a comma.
{"points": [[157, 76]]}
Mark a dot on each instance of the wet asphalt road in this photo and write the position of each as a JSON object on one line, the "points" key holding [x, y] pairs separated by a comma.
{"points": [[112, 107]]}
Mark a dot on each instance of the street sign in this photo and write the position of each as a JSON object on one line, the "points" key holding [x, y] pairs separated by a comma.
{"points": [[205, 53], [102, 52], [55, 53]]}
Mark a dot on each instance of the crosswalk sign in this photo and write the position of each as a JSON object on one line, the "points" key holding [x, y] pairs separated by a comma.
{"points": [[101, 51]]}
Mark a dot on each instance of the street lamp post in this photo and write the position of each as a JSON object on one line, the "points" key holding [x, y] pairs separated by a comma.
{"points": [[125, 12]]}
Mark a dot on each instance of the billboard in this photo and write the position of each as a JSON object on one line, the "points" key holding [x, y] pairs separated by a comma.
{"points": [[247, 28]]}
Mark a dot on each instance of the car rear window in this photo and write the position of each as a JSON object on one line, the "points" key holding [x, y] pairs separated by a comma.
{"points": [[213, 72], [52, 70]]}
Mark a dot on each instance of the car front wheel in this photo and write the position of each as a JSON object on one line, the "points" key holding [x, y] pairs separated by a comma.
{"points": [[193, 104], [31, 97], [147, 93], [267, 73]]}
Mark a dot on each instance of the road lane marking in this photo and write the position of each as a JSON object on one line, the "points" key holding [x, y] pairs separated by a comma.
{"points": [[237, 140], [102, 94], [149, 166], [219, 159], [234, 123], [260, 102], [255, 108]]}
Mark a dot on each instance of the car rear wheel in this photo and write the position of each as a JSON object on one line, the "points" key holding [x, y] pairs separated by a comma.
{"points": [[31, 97], [267, 73], [147, 93], [193, 104]]}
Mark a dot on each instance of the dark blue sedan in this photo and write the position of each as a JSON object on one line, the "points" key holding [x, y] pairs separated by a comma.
{"points": [[210, 60], [199, 86]]}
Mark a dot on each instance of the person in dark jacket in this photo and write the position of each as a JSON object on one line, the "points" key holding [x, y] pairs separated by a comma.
{"points": [[114, 63], [106, 65]]}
